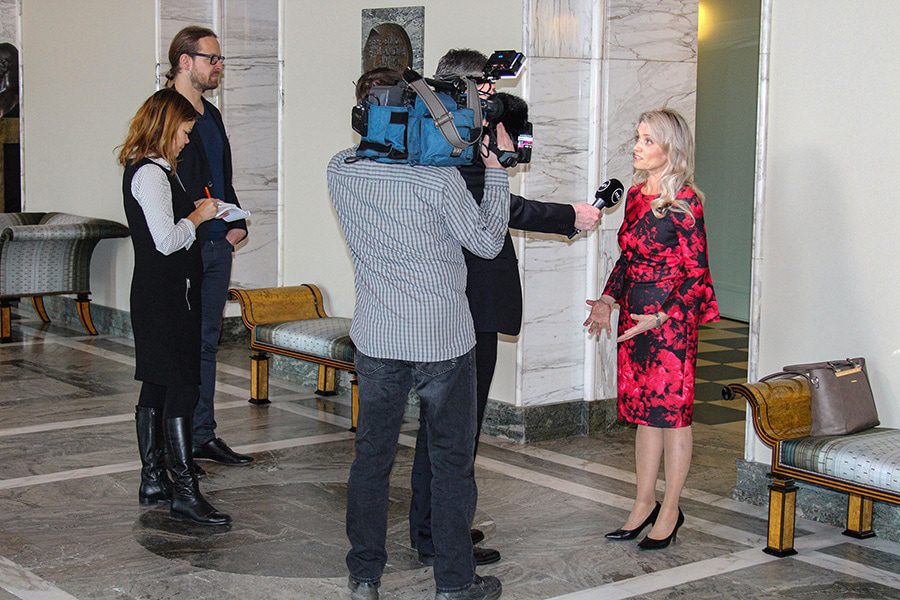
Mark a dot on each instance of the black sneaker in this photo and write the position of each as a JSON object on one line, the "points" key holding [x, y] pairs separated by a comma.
{"points": [[483, 588]]}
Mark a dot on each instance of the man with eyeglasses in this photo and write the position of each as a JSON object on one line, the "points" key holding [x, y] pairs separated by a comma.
{"points": [[205, 170], [495, 300]]}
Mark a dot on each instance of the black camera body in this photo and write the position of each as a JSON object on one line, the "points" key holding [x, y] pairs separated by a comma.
{"points": [[501, 107]]}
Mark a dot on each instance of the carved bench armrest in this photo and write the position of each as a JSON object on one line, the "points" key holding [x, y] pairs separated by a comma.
{"points": [[277, 304], [781, 408]]}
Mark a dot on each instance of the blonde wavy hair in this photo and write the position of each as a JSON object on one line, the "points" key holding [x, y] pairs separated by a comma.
{"points": [[671, 132]]}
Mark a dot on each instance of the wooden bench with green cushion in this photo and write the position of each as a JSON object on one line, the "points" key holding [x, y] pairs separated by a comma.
{"points": [[865, 465], [291, 321]]}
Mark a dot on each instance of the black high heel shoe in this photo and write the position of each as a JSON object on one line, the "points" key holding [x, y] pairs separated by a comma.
{"points": [[629, 534], [648, 543]]}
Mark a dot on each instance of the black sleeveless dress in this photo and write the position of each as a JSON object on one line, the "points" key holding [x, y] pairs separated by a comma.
{"points": [[165, 294]]}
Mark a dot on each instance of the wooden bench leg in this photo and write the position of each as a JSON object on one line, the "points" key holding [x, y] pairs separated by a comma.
{"points": [[5, 321], [354, 402], [83, 303], [859, 517], [326, 382], [782, 505], [259, 377], [38, 303]]}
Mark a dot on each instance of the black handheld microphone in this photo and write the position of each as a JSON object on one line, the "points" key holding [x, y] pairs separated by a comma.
{"points": [[608, 195]]}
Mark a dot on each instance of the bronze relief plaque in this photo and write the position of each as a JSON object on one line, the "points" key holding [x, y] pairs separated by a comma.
{"points": [[387, 46]]}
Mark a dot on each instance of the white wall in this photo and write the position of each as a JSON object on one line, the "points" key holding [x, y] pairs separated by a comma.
{"points": [[322, 56], [87, 66], [829, 276]]}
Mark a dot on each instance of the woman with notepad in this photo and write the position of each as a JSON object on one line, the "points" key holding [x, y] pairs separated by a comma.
{"points": [[165, 302]]}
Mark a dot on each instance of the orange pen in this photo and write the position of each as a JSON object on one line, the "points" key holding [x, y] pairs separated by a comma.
{"points": [[206, 189]]}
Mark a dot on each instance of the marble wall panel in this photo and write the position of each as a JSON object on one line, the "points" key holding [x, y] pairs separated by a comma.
{"points": [[559, 109], [255, 263], [9, 21], [552, 337], [250, 111], [552, 367], [664, 30], [250, 29], [561, 28]]}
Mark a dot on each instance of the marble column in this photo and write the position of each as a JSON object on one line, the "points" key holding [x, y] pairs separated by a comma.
{"points": [[593, 67], [248, 99]]}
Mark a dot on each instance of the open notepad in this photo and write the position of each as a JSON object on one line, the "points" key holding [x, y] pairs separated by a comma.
{"points": [[231, 212]]}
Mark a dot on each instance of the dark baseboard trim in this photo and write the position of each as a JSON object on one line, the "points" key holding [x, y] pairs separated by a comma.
{"points": [[113, 321]]}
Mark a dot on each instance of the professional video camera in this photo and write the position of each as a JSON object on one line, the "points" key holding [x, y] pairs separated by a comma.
{"points": [[501, 107], [439, 122]]}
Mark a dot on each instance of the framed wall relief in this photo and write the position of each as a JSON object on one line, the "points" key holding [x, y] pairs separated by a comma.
{"points": [[393, 37]]}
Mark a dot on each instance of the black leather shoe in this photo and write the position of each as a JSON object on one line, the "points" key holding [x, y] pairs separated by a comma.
{"points": [[630, 534], [218, 451], [648, 543], [486, 556], [363, 590], [483, 588], [477, 536]]}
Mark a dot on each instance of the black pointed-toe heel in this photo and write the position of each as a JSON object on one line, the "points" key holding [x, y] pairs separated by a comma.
{"points": [[629, 534], [648, 543]]}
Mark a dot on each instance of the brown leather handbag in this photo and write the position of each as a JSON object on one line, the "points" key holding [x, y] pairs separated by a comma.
{"points": [[842, 400]]}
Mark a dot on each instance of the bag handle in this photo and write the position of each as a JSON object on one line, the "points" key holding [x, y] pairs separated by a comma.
{"points": [[443, 119], [813, 381]]}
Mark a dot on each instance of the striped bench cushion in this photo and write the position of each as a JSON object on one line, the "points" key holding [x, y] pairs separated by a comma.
{"points": [[327, 338], [870, 458]]}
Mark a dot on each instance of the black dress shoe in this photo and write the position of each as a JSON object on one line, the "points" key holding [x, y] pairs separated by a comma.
{"points": [[486, 556], [483, 588], [630, 534], [477, 536], [483, 556], [218, 451], [648, 543]]}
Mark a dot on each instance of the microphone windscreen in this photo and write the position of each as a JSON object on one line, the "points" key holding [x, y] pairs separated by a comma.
{"points": [[609, 193]]}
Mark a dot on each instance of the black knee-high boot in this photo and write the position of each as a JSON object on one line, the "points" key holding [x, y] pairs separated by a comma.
{"points": [[155, 484], [187, 501]]}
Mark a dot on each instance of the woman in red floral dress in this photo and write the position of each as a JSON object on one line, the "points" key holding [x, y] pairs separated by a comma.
{"points": [[662, 285]]}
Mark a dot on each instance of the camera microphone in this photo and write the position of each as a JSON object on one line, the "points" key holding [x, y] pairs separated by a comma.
{"points": [[608, 195]]}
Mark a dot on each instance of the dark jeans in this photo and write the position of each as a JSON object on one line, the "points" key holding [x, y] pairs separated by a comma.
{"points": [[420, 504], [447, 393], [217, 259]]}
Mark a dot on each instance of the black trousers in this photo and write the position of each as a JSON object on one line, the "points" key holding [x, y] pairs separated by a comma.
{"points": [[420, 503]]}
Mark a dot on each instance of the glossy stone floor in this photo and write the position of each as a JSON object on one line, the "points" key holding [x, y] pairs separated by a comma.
{"points": [[71, 527]]}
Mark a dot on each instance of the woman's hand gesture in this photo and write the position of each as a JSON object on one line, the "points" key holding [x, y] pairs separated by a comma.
{"points": [[598, 320], [643, 323]]}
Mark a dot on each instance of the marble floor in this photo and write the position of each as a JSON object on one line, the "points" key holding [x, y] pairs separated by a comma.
{"points": [[71, 527]]}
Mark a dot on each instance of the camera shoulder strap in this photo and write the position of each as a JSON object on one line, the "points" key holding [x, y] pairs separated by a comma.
{"points": [[443, 119]]}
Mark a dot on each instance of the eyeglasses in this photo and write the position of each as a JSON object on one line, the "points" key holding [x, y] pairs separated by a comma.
{"points": [[213, 59]]}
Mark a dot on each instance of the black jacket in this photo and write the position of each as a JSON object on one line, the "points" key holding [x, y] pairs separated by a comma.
{"points": [[193, 167], [493, 287]]}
